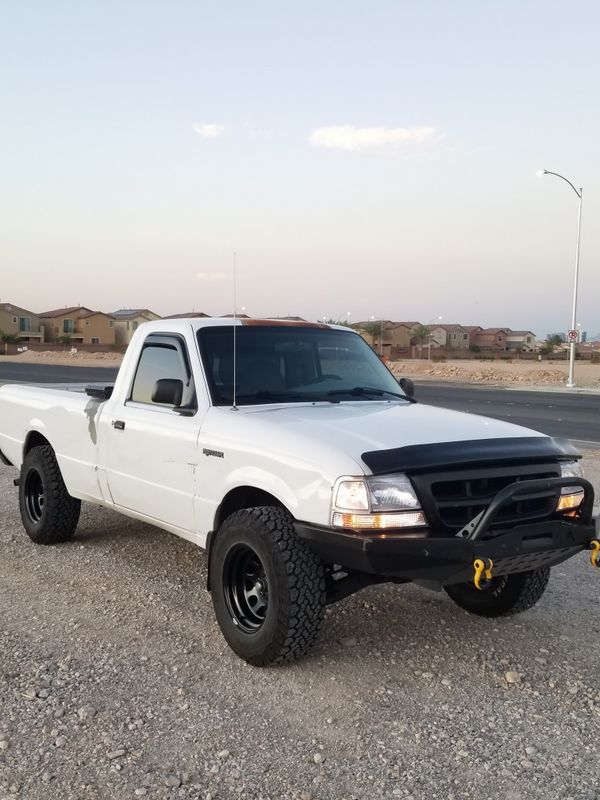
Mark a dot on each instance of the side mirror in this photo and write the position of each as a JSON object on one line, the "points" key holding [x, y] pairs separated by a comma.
{"points": [[168, 391], [407, 387]]}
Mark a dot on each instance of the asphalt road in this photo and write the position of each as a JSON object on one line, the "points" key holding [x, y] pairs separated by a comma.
{"points": [[575, 416], [49, 373]]}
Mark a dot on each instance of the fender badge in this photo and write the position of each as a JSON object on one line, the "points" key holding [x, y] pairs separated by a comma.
{"points": [[215, 453]]}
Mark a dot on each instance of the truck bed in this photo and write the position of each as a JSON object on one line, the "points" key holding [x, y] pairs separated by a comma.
{"points": [[67, 415]]}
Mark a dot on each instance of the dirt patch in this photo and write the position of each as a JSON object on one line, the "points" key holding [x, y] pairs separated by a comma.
{"points": [[522, 373], [78, 359]]}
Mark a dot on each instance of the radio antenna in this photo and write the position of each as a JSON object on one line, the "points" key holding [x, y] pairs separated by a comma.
{"points": [[234, 406]]}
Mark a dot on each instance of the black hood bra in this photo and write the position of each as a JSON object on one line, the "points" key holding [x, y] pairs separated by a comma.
{"points": [[480, 452]]}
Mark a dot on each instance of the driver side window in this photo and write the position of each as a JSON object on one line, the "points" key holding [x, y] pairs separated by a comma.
{"points": [[161, 360]]}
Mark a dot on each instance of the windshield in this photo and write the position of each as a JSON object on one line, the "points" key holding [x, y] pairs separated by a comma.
{"points": [[281, 364]]}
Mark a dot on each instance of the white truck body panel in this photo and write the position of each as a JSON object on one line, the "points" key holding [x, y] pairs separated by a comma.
{"points": [[156, 470]]}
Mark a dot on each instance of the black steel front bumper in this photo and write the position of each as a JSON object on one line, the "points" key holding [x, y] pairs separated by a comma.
{"points": [[423, 555]]}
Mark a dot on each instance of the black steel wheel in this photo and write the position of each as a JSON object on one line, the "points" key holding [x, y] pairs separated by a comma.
{"points": [[246, 588], [506, 594], [267, 586], [34, 496], [48, 512]]}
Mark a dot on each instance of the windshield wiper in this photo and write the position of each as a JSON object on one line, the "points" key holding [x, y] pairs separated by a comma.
{"points": [[361, 391]]}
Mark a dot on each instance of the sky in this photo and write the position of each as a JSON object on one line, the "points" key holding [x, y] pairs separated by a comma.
{"points": [[373, 158]]}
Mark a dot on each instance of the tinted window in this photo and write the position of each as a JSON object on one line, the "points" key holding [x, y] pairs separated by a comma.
{"points": [[291, 364], [156, 362]]}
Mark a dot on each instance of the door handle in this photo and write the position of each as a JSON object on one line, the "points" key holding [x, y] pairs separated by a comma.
{"points": [[118, 424]]}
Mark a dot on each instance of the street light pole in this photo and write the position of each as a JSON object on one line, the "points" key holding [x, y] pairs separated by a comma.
{"points": [[380, 333], [571, 381]]}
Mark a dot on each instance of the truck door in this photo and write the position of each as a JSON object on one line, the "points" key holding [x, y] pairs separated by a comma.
{"points": [[151, 452]]}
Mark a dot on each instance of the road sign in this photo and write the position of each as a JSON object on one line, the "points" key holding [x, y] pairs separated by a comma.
{"points": [[572, 336]]}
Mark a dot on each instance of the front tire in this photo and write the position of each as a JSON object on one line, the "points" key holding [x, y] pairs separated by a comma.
{"points": [[48, 512], [507, 594], [268, 587]]}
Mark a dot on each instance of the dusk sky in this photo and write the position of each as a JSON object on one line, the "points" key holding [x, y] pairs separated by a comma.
{"points": [[378, 158]]}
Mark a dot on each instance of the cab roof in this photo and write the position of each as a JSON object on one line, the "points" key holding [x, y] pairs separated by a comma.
{"points": [[211, 322]]}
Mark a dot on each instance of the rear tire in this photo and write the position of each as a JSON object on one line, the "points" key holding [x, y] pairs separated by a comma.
{"points": [[268, 587], [48, 512], [507, 594]]}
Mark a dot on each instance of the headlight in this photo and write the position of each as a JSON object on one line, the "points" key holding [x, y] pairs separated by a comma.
{"points": [[571, 496], [392, 493], [390, 502], [571, 469], [352, 495]]}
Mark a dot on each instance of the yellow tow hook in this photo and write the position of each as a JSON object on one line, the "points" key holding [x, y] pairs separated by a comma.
{"points": [[483, 572], [595, 554]]}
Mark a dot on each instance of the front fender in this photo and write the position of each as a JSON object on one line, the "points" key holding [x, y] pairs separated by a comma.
{"points": [[313, 492]]}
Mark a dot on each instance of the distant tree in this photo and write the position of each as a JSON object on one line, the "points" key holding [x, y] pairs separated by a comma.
{"points": [[8, 338], [474, 348], [343, 322], [373, 329], [551, 342], [422, 333], [66, 339]]}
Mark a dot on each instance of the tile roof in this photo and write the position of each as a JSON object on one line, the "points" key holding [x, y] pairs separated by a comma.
{"points": [[60, 312], [130, 313], [94, 314], [12, 307], [450, 328]]}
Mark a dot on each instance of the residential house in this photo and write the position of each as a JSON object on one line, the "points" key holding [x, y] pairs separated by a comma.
{"points": [[491, 338], [21, 323], [450, 337], [97, 328], [127, 321], [80, 324], [400, 333], [521, 341], [376, 333], [473, 331], [386, 336]]}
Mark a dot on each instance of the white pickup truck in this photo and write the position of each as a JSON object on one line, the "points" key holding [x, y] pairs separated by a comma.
{"points": [[293, 456]]}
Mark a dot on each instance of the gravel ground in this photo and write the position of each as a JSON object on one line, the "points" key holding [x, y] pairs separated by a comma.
{"points": [[116, 683]]}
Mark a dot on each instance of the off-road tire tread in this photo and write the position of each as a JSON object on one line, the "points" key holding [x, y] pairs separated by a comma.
{"points": [[533, 588], [61, 511], [303, 610], [516, 598]]}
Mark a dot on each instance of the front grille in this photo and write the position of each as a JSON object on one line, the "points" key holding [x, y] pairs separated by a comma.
{"points": [[452, 499]]}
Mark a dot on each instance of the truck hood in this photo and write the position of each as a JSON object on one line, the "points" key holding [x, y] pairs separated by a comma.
{"points": [[351, 429]]}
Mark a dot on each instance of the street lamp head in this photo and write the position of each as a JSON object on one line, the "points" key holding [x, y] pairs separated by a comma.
{"points": [[542, 172]]}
